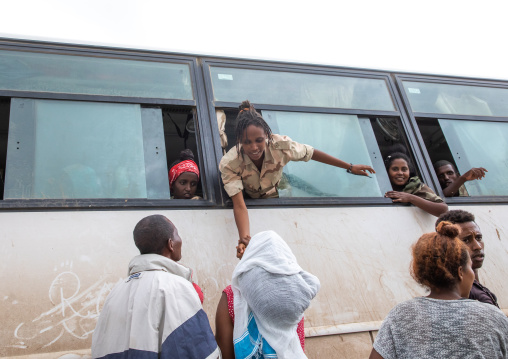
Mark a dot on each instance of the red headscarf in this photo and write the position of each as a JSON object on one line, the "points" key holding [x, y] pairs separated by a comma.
{"points": [[179, 168]]}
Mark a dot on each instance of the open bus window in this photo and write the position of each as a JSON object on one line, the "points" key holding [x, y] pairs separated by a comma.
{"points": [[71, 149], [352, 138], [467, 144], [180, 134]]}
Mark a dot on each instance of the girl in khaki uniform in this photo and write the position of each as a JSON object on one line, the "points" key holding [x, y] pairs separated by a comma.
{"points": [[255, 164]]}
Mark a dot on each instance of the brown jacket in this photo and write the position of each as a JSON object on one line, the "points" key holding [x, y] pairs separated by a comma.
{"points": [[239, 172]]}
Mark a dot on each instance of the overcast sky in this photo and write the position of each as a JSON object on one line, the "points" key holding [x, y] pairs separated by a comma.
{"points": [[462, 38]]}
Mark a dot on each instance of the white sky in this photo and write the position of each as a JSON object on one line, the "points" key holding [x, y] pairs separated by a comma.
{"points": [[463, 38]]}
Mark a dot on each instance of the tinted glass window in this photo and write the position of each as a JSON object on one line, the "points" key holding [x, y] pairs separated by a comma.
{"points": [[347, 137], [480, 144], [457, 99], [297, 89], [26, 71], [69, 149]]}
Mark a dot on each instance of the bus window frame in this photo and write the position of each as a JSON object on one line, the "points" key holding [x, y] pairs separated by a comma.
{"points": [[414, 116], [399, 112], [204, 148]]}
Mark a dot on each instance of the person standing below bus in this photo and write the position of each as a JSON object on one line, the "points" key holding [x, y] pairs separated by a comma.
{"points": [[472, 236], [451, 182], [255, 164], [408, 188], [443, 324], [156, 312]]}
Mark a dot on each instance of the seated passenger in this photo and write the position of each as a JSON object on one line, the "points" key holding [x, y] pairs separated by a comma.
{"points": [[184, 177], [255, 164], [261, 313], [408, 188], [472, 236], [451, 182], [443, 324], [155, 312]]}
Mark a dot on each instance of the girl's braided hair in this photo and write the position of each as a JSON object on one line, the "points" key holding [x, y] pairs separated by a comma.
{"points": [[246, 117]]}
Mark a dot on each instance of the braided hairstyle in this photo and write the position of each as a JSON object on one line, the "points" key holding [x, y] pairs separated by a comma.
{"points": [[246, 117], [438, 256]]}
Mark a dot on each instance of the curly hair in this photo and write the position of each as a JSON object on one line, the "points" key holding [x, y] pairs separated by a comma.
{"points": [[438, 256], [246, 117], [456, 216]]}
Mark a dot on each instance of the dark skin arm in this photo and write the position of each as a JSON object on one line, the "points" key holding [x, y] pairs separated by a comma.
{"points": [[224, 329], [472, 174], [242, 222], [436, 209], [375, 355], [325, 158]]}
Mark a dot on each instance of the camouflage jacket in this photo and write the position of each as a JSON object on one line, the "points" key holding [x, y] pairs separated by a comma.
{"points": [[418, 188], [240, 173]]}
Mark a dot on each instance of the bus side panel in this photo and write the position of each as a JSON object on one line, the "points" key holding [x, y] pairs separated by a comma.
{"points": [[58, 267]]}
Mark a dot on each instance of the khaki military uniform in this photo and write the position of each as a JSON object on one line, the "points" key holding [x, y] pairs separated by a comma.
{"points": [[418, 188], [240, 173]]}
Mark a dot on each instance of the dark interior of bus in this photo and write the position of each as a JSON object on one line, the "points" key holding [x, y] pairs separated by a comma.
{"points": [[180, 134], [434, 140]]}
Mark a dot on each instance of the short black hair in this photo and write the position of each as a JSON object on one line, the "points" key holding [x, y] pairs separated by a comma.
{"points": [[456, 216], [442, 163], [398, 151], [152, 233]]}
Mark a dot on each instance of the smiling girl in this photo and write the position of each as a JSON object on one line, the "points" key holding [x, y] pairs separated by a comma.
{"points": [[408, 188], [255, 164]]}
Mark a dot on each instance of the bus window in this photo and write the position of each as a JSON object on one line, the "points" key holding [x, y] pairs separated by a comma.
{"points": [[467, 144], [300, 89], [358, 139], [71, 149], [456, 99], [180, 134]]}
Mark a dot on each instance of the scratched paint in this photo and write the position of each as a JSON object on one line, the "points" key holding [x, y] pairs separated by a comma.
{"points": [[57, 271]]}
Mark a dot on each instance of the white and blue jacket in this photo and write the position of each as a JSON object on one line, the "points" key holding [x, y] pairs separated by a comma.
{"points": [[155, 313]]}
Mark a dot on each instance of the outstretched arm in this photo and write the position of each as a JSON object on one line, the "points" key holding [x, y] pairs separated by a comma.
{"points": [[434, 208], [323, 157], [473, 174], [242, 222]]}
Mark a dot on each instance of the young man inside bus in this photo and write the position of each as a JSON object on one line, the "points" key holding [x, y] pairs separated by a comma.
{"points": [[452, 182]]}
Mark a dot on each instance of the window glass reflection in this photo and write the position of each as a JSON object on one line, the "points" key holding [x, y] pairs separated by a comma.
{"points": [[457, 99], [480, 144], [298, 89], [26, 71], [68, 149], [342, 136]]}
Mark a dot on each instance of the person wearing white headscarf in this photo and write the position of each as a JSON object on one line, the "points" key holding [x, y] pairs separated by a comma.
{"points": [[271, 292]]}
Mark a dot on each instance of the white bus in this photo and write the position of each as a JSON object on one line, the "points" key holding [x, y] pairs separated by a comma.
{"points": [[87, 134]]}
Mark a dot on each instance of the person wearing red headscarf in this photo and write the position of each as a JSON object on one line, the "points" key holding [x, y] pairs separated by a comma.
{"points": [[184, 177]]}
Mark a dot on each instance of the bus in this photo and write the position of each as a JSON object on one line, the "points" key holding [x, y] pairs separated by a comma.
{"points": [[87, 134]]}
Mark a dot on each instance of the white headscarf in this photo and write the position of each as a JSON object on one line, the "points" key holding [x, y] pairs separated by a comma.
{"points": [[269, 283]]}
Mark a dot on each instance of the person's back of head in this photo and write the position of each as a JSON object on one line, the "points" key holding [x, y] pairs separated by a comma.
{"points": [[152, 233], [437, 257]]}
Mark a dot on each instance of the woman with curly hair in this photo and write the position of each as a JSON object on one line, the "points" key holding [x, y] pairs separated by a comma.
{"points": [[443, 324]]}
